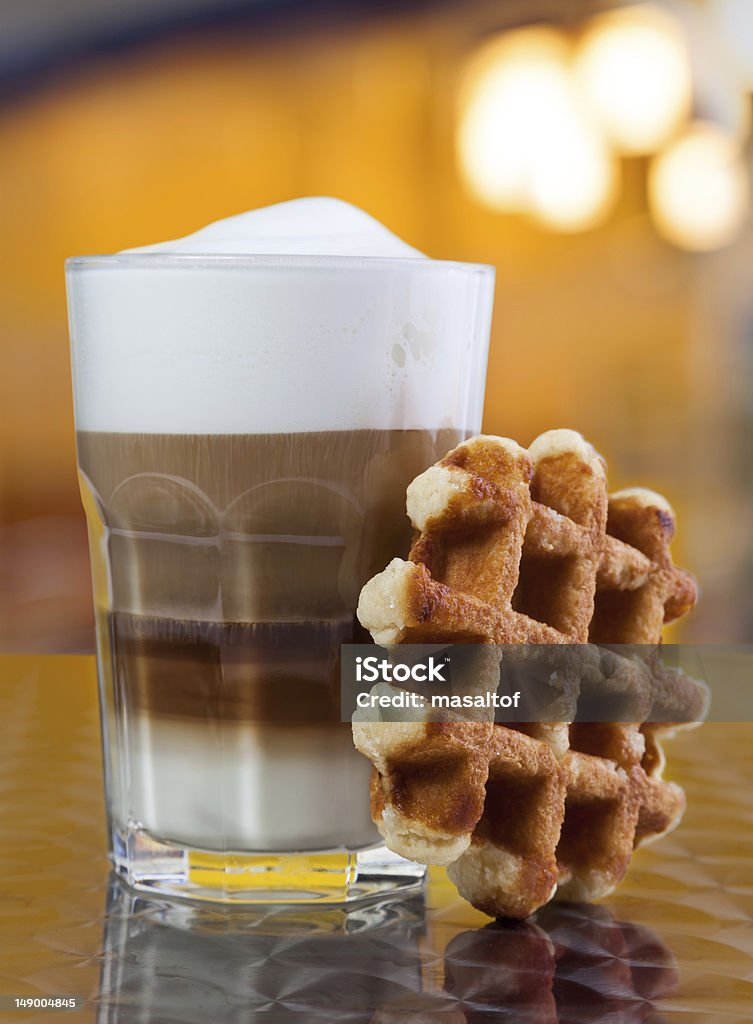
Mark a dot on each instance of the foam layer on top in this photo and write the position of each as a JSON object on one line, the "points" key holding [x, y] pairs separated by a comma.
{"points": [[315, 226], [279, 320]]}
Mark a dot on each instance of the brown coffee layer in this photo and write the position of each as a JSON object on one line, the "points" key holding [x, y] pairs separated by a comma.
{"points": [[230, 565], [285, 673]]}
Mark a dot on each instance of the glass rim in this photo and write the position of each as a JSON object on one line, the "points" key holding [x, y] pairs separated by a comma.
{"points": [[173, 260]]}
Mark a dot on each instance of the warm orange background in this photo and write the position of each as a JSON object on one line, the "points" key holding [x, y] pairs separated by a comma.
{"points": [[610, 331]]}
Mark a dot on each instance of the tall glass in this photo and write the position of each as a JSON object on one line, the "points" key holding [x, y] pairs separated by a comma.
{"points": [[246, 429]]}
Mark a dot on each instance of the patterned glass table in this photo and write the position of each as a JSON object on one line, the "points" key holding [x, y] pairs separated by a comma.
{"points": [[674, 943]]}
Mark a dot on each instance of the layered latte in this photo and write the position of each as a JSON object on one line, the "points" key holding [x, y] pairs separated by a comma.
{"points": [[251, 403]]}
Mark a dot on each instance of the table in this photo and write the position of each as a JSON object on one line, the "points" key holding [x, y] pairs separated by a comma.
{"points": [[674, 943]]}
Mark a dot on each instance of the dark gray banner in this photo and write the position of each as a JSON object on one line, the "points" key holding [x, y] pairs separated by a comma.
{"points": [[671, 683]]}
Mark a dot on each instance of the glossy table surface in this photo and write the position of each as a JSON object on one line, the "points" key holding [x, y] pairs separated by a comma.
{"points": [[674, 943]]}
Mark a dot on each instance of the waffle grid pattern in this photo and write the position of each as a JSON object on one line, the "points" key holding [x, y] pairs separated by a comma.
{"points": [[516, 546]]}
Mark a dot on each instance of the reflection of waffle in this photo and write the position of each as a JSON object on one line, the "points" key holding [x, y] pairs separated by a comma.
{"points": [[524, 547], [570, 963]]}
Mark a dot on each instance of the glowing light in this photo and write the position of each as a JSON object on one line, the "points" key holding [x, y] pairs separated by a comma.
{"points": [[698, 190], [524, 142], [511, 87], [573, 180], [633, 69]]}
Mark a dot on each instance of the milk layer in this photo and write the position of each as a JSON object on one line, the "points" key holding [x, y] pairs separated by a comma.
{"points": [[235, 786]]}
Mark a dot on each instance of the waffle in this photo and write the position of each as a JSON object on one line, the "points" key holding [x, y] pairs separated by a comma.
{"points": [[526, 547]]}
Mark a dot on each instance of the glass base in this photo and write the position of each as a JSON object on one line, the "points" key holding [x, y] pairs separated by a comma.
{"points": [[330, 877]]}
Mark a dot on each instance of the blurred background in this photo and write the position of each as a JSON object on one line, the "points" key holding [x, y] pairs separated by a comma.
{"points": [[597, 153]]}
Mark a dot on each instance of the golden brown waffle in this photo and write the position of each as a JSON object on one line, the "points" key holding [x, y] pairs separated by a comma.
{"points": [[516, 546]]}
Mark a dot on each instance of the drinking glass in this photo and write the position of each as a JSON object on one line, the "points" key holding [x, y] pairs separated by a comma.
{"points": [[246, 428]]}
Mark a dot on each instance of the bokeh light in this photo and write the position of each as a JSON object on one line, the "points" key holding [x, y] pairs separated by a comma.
{"points": [[512, 86], [574, 180], [524, 140], [633, 69], [698, 189]]}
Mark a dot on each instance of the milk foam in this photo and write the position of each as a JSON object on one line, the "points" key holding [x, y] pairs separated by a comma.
{"points": [[304, 316], [315, 226]]}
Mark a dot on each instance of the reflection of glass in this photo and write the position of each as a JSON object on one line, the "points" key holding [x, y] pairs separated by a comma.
{"points": [[167, 962], [246, 429], [176, 962]]}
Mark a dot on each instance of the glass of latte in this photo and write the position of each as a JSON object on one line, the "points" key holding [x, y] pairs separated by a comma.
{"points": [[251, 403]]}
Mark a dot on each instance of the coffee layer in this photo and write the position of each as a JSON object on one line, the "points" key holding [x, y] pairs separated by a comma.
{"points": [[234, 562], [231, 671]]}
